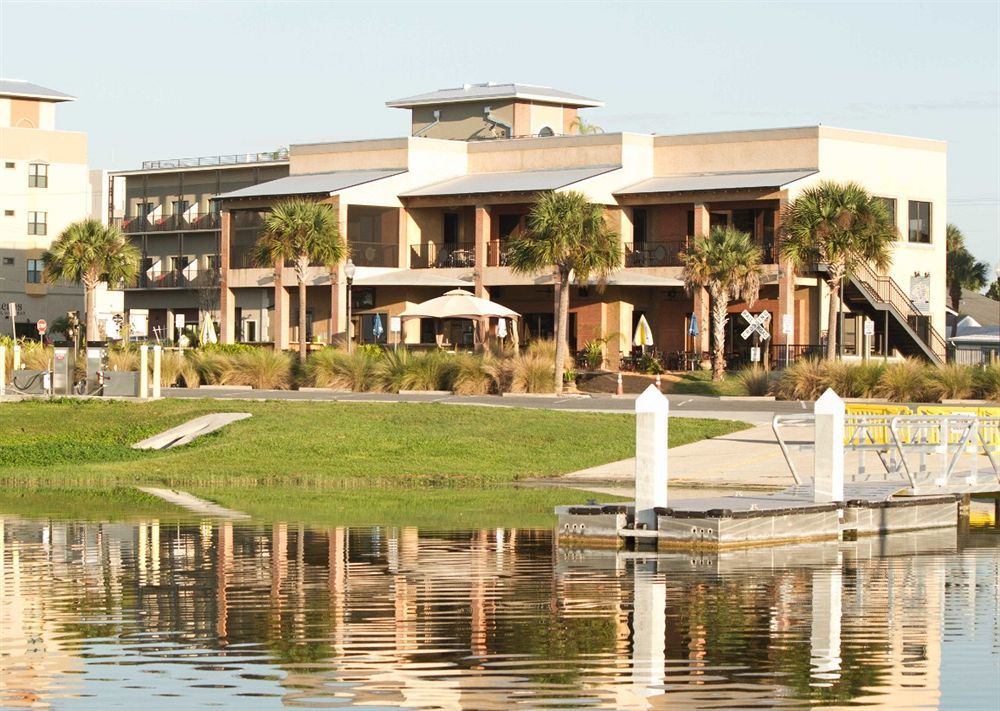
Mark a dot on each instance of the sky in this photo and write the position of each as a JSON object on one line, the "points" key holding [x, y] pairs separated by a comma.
{"points": [[182, 79]]}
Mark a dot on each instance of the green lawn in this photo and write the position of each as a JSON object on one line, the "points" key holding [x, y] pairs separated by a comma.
{"points": [[699, 382], [352, 461]]}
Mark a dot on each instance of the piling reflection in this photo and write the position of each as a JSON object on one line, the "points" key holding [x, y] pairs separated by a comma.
{"points": [[490, 619]]}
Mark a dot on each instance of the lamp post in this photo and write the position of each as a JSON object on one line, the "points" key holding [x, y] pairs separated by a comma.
{"points": [[349, 270]]}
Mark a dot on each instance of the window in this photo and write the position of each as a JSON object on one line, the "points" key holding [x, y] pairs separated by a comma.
{"points": [[38, 175], [920, 222], [180, 206], [8, 213], [143, 208], [35, 267], [37, 223], [639, 224], [8, 261], [213, 261], [9, 164], [890, 207]]}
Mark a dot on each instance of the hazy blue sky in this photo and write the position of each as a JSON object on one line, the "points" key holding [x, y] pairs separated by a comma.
{"points": [[162, 80]]}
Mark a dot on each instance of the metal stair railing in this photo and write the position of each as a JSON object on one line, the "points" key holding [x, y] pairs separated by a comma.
{"points": [[885, 290]]}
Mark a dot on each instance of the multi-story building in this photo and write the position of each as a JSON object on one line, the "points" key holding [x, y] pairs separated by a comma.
{"points": [[166, 209], [43, 188], [437, 210]]}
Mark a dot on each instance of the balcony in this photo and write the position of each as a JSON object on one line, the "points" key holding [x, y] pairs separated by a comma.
{"points": [[432, 256], [654, 253], [170, 223], [374, 254], [176, 279], [235, 159]]}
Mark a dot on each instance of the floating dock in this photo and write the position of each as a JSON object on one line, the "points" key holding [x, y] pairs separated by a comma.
{"points": [[909, 498]]}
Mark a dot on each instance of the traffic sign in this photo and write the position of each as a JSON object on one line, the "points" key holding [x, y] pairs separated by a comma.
{"points": [[758, 324], [42, 326], [869, 327]]}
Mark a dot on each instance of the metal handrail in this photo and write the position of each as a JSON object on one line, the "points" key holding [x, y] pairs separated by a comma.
{"points": [[233, 159]]}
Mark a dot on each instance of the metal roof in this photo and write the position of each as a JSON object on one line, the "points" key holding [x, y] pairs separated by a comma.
{"points": [[512, 182], [310, 184], [492, 90], [717, 181], [21, 88]]}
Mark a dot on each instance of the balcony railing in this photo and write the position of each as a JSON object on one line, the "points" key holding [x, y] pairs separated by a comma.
{"points": [[374, 254], [654, 253], [169, 223], [497, 253], [176, 279], [235, 159], [432, 256]]}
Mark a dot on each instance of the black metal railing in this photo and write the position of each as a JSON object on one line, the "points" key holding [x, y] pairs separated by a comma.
{"points": [[654, 253], [374, 254], [431, 255], [233, 159], [168, 223], [176, 279]]}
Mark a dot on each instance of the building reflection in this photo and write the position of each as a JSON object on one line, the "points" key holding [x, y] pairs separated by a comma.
{"points": [[485, 619]]}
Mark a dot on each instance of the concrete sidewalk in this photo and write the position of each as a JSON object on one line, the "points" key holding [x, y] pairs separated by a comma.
{"points": [[745, 460]]}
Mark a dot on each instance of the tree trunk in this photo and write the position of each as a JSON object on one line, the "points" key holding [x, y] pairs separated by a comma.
{"points": [[720, 305], [562, 329], [833, 314], [300, 273], [90, 306]]}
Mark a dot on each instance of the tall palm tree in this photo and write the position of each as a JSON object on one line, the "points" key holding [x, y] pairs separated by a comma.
{"points": [[727, 263], [569, 235], [962, 271], [302, 232], [88, 253], [839, 225]]}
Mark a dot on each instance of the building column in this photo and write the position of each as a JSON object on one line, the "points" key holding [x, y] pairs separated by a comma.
{"points": [[281, 308], [338, 302], [702, 226], [171, 326], [483, 224], [786, 291], [227, 298], [402, 244]]}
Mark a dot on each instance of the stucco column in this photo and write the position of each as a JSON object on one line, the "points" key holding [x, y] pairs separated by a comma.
{"points": [[281, 306], [338, 302], [227, 297], [402, 244], [702, 225], [786, 292], [483, 222]]}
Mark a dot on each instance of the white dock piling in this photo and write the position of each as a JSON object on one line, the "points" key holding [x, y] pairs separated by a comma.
{"points": [[649, 629], [827, 611], [157, 351], [651, 414], [828, 479], [143, 372], [17, 358]]}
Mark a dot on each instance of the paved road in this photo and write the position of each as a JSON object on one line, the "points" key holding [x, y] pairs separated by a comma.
{"points": [[680, 405]]}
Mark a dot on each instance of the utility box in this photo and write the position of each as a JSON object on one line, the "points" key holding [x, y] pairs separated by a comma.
{"points": [[97, 354], [30, 382], [63, 370], [121, 384]]}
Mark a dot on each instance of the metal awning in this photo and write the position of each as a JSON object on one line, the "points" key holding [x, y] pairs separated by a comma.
{"points": [[413, 277], [310, 184], [512, 182], [717, 182]]}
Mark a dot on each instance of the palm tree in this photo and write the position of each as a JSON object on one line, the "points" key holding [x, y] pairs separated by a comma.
{"points": [[566, 233], [839, 225], [727, 263], [962, 272], [302, 232], [88, 253], [584, 128]]}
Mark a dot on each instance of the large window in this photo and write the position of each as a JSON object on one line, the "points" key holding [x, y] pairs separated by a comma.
{"points": [[37, 223], [920, 222], [38, 175], [890, 208], [35, 267]]}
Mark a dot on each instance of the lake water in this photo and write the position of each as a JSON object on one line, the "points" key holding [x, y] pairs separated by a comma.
{"points": [[157, 615]]}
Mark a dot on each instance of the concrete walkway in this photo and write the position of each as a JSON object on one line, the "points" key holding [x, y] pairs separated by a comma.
{"points": [[747, 460]]}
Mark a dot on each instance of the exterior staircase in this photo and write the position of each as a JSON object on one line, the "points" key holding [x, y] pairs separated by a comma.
{"points": [[909, 330]]}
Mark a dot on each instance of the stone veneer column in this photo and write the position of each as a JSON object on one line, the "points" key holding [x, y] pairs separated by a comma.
{"points": [[702, 225], [227, 298]]}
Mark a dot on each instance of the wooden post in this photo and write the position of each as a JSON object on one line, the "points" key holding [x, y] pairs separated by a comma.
{"points": [[143, 372], [157, 351], [828, 480], [651, 413]]}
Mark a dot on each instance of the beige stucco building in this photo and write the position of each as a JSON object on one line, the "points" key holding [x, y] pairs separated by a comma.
{"points": [[43, 188], [437, 210]]}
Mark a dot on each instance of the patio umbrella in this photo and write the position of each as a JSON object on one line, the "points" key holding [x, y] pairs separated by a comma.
{"points": [[377, 329], [643, 334], [501, 328], [693, 326], [458, 303], [207, 334]]}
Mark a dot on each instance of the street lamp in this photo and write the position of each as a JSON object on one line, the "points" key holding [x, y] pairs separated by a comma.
{"points": [[349, 270]]}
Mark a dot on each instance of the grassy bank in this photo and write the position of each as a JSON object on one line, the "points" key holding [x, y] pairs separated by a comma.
{"points": [[337, 462]]}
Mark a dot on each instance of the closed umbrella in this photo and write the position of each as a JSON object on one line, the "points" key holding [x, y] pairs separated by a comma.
{"points": [[693, 326], [501, 328], [643, 334], [377, 329]]}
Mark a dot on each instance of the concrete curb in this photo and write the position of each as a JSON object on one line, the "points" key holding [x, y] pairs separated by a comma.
{"points": [[426, 392], [324, 390], [747, 398], [225, 387]]}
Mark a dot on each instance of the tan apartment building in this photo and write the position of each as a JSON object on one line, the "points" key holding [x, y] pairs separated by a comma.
{"points": [[437, 209], [43, 188]]}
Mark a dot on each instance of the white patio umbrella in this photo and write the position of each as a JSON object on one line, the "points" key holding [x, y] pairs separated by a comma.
{"points": [[459, 303], [643, 334]]}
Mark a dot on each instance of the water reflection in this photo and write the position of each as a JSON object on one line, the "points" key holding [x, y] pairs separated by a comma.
{"points": [[283, 614]]}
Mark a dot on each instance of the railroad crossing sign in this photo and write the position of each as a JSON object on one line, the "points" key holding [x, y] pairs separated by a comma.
{"points": [[758, 324], [42, 326]]}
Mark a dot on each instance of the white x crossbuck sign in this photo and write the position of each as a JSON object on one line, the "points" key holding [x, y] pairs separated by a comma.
{"points": [[757, 323]]}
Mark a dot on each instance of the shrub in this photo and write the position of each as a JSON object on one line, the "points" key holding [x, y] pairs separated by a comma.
{"points": [[952, 382], [650, 365], [987, 381], [471, 374], [805, 379], [498, 365], [905, 381], [35, 356], [175, 366], [334, 368], [755, 381], [260, 368], [543, 349], [229, 349], [210, 364], [532, 373], [593, 354], [853, 379], [433, 370], [123, 359], [391, 370]]}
